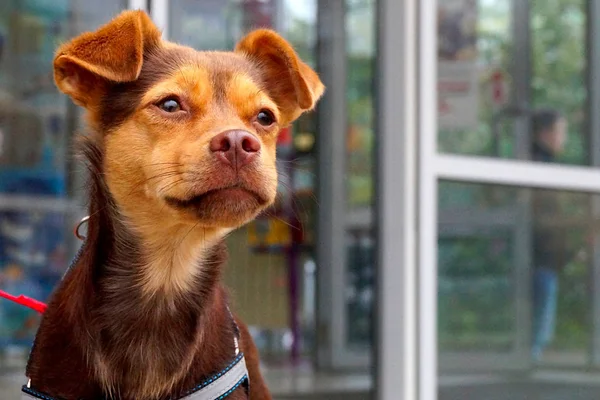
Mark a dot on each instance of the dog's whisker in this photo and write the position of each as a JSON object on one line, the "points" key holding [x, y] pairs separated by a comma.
{"points": [[170, 186], [161, 174], [158, 176], [164, 163], [282, 220], [187, 234]]}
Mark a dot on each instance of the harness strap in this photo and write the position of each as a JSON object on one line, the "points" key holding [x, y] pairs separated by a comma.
{"points": [[222, 384], [217, 387], [27, 396]]}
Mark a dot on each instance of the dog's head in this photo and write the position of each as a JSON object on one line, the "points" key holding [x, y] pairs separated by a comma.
{"points": [[187, 136]]}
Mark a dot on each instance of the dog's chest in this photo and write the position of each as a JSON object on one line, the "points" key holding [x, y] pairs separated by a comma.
{"points": [[148, 356], [161, 349]]}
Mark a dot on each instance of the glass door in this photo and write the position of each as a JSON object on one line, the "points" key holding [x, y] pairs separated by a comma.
{"points": [[503, 72], [508, 193]]}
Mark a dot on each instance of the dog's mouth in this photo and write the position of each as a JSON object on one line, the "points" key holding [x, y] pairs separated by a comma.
{"points": [[237, 194]]}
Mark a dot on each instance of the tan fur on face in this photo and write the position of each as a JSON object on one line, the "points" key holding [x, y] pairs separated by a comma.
{"points": [[153, 157]]}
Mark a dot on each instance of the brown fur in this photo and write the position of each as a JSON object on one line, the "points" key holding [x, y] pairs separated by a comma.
{"points": [[142, 314]]}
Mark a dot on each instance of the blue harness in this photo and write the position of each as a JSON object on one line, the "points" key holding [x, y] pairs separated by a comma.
{"points": [[218, 387]]}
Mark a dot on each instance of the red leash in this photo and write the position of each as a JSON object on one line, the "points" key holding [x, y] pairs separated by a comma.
{"points": [[25, 301]]}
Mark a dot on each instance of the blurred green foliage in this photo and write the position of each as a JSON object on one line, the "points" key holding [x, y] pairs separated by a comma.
{"points": [[478, 264]]}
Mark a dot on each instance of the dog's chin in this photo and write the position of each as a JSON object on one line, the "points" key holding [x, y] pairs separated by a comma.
{"points": [[222, 208]]}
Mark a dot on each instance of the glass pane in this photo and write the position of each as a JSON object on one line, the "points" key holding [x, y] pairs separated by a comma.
{"points": [[36, 210], [33, 259], [359, 289], [558, 81], [492, 102], [360, 47], [514, 281], [476, 304]]}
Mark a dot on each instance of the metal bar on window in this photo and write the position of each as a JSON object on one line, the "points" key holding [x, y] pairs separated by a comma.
{"points": [[427, 126], [517, 173]]}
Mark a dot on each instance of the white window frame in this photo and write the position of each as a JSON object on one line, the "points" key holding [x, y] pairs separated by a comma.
{"points": [[159, 9], [138, 5], [427, 200], [397, 352]]}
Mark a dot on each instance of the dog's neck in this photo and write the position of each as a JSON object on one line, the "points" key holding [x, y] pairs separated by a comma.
{"points": [[173, 257], [167, 258], [156, 289]]}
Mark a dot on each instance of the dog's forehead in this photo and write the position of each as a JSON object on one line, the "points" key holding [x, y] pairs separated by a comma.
{"points": [[214, 68], [219, 66]]}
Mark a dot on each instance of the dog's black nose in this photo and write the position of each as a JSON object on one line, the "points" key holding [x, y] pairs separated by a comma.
{"points": [[235, 147]]}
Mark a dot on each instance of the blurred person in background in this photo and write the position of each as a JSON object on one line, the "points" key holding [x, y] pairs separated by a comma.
{"points": [[550, 253]]}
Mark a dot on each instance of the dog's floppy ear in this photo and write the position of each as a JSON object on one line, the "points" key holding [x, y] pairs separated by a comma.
{"points": [[114, 53], [292, 84]]}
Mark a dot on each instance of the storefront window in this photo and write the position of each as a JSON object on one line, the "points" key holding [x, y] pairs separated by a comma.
{"points": [[272, 271], [37, 208]]}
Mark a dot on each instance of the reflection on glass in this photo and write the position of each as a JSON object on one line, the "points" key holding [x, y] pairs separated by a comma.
{"points": [[561, 234], [514, 267], [482, 110], [559, 64], [33, 259], [360, 45], [35, 240], [205, 25], [476, 299], [474, 55], [359, 291]]}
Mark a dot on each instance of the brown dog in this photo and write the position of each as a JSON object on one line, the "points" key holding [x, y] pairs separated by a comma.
{"points": [[181, 150]]}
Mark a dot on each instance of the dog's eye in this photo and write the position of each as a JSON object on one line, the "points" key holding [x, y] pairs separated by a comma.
{"points": [[265, 118], [169, 105]]}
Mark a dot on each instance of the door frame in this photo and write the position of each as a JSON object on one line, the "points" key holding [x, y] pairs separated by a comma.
{"points": [[399, 355]]}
